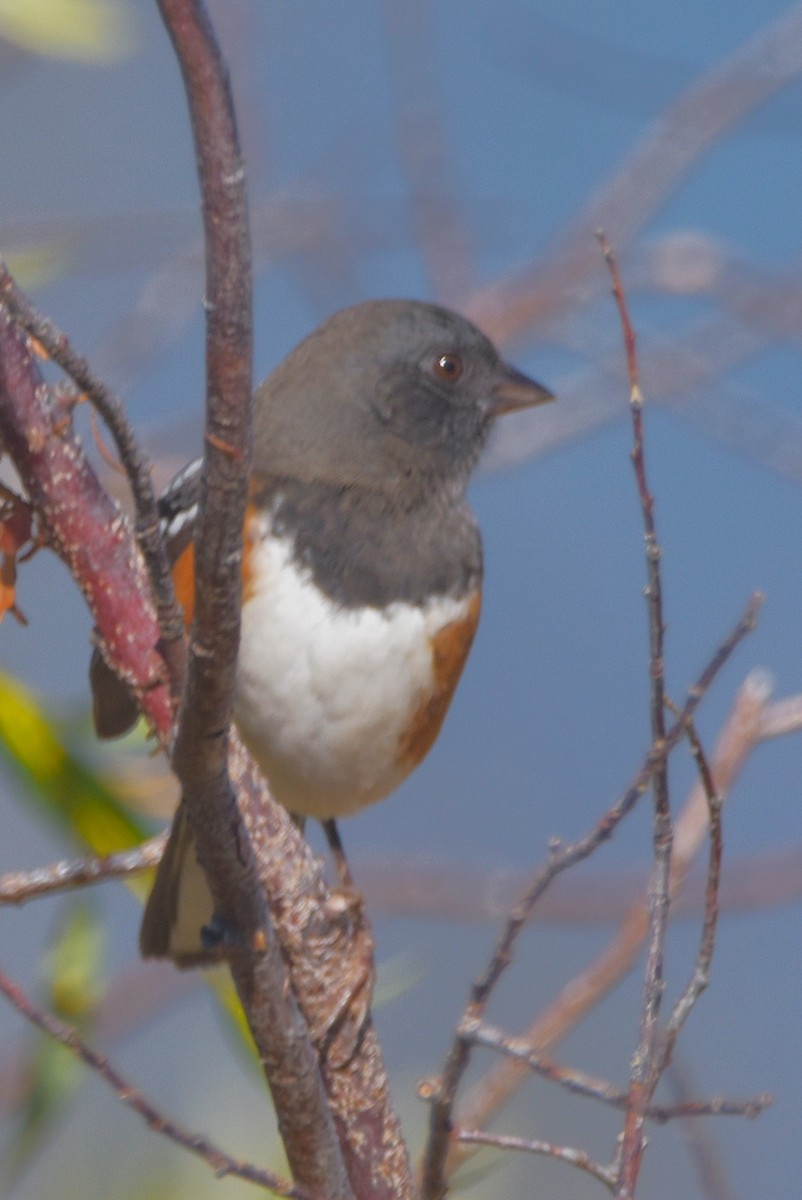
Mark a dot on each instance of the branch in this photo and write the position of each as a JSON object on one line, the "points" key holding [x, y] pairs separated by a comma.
{"points": [[330, 968], [17, 887], [582, 1084], [336, 1088], [583, 992], [137, 468], [645, 1068], [575, 1158], [221, 1163], [82, 524], [224, 847], [439, 1161], [701, 972], [327, 961]]}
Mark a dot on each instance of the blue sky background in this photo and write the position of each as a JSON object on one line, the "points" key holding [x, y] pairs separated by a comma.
{"points": [[534, 111]]}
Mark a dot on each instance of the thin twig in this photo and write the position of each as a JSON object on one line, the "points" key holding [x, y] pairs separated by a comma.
{"points": [[567, 1154], [584, 991], [441, 1092], [17, 887], [583, 1084], [701, 972], [645, 1070], [221, 1163]]}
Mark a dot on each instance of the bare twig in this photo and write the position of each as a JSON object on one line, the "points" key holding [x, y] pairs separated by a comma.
{"points": [[221, 1163], [645, 1071], [701, 972], [583, 1084], [17, 887], [582, 993], [576, 1158], [441, 1092]]}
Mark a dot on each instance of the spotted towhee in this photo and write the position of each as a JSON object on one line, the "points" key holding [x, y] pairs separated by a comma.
{"points": [[362, 569]]}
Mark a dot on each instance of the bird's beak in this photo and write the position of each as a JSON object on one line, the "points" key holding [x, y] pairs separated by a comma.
{"points": [[515, 390]]}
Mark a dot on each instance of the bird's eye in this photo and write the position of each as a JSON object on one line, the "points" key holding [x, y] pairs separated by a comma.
{"points": [[448, 367]]}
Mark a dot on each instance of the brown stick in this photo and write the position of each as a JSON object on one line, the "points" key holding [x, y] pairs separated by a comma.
{"points": [[221, 1163], [201, 748]]}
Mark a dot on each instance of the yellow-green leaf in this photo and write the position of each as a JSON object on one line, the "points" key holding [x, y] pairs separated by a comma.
{"points": [[67, 791], [81, 30], [73, 965], [38, 263]]}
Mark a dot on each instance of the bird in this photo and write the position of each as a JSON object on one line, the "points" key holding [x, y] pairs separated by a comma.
{"points": [[361, 570]]}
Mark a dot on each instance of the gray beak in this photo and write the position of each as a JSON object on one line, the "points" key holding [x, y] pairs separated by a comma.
{"points": [[515, 390]]}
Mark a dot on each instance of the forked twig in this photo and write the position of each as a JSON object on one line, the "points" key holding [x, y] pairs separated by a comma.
{"points": [[649, 1056], [583, 1084], [585, 990], [441, 1091]]}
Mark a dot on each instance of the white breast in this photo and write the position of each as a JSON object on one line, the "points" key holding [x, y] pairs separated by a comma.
{"points": [[325, 694]]}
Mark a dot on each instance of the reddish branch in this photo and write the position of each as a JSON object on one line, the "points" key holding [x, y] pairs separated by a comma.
{"points": [[314, 1037], [57, 345], [82, 524]]}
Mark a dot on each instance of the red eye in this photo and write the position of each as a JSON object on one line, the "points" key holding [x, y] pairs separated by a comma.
{"points": [[448, 367]]}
